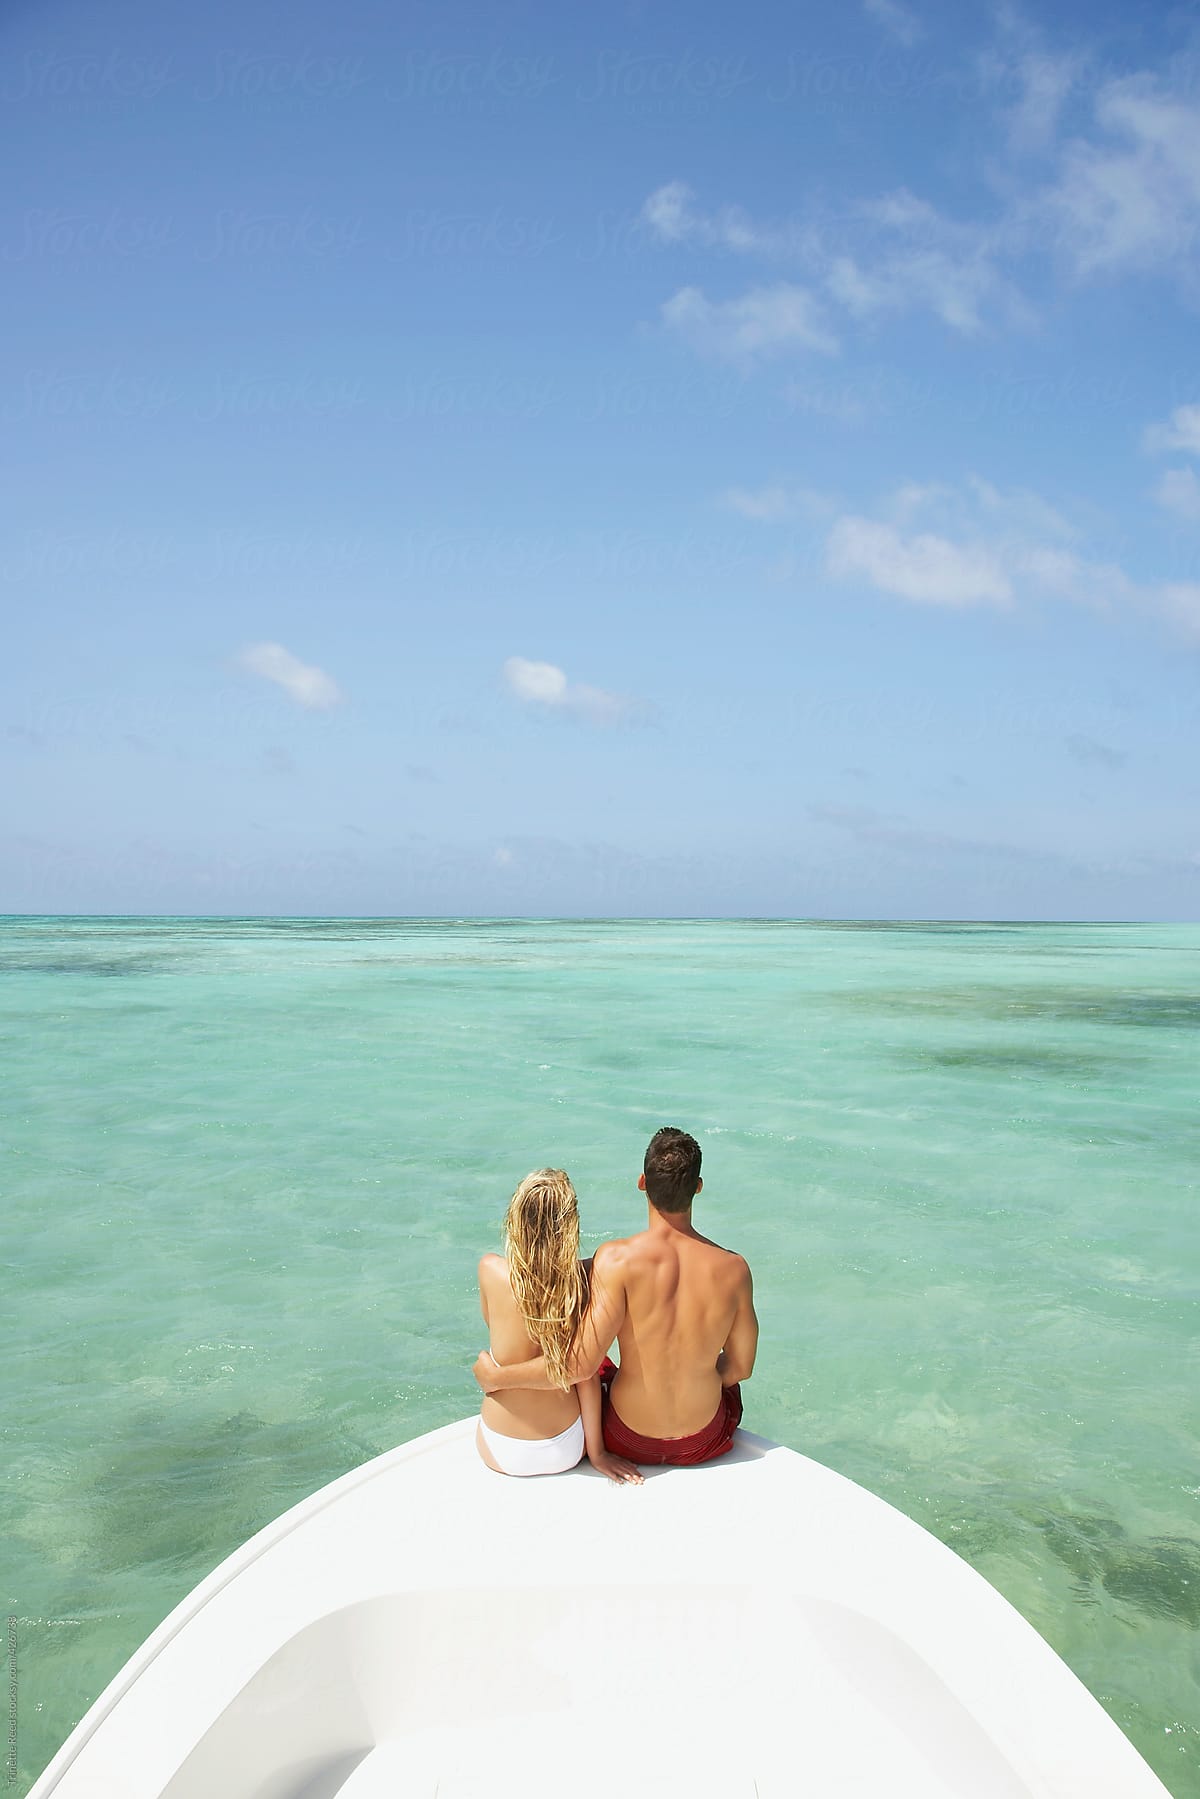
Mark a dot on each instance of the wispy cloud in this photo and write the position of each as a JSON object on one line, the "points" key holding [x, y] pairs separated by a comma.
{"points": [[934, 543], [979, 545], [309, 686], [900, 21], [892, 253], [766, 321], [1178, 489], [1180, 432], [1179, 492], [1127, 197], [1046, 84], [924, 568], [975, 545], [672, 216], [1088, 175], [967, 545], [543, 684], [1031, 82]]}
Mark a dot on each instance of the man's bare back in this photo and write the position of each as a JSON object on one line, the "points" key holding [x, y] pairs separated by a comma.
{"points": [[686, 1310]]}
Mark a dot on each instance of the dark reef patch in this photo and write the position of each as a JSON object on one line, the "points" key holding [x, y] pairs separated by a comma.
{"points": [[1025, 1059], [1146, 1008]]}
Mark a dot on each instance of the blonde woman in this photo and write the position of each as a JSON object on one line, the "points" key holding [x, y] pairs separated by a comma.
{"points": [[533, 1299]]}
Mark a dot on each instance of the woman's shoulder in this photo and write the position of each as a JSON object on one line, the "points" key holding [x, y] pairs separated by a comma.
{"points": [[493, 1268]]}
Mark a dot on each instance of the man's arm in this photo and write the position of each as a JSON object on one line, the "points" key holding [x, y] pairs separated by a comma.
{"points": [[736, 1361], [495, 1379], [605, 1313], [602, 1323]]}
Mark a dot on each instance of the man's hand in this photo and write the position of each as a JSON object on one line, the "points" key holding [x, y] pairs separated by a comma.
{"points": [[493, 1378], [616, 1468]]}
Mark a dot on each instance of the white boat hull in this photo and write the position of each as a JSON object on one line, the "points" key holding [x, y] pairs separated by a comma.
{"points": [[756, 1626]]}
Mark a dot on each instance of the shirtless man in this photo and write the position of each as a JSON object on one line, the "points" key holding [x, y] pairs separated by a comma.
{"points": [[682, 1310]]}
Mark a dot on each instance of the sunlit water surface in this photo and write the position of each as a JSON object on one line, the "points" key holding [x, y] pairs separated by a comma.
{"points": [[250, 1165]]}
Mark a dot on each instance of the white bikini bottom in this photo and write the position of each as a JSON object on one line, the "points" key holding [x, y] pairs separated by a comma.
{"points": [[536, 1455]]}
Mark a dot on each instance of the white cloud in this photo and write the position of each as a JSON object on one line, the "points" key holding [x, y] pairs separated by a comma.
{"points": [[1119, 193], [980, 545], [766, 321], [903, 255], [913, 497], [1066, 576], [308, 686], [1019, 64], [1058, 571], [539, 681], [902, 23], [1019, 509], [1181, 432], [1046, 83], [1012, 517], [671, 214], [543, 684], [933, 544], [926, 569], [918, 259], [667, 211], [1129, 198], [1179, 492]]}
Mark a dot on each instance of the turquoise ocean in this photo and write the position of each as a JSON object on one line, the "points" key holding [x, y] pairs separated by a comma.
{"points": [[250, 1164]]}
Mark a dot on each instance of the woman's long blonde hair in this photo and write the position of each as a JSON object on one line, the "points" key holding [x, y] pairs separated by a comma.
{"points": [[541, 1243]]}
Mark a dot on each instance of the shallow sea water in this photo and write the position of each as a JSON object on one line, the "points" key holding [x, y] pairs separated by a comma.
{"points": [[249, 1166]]}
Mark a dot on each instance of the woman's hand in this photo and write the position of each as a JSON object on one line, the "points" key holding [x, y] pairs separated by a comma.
{"points": [[485, 1371], [616, 1468]]}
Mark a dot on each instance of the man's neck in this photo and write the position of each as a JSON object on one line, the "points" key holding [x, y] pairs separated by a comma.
{"points": [[672, 1224]]}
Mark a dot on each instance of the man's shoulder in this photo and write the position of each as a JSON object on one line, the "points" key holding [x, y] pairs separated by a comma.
{"points": [[619, 1259], [730, 1262], [613, 1254]]}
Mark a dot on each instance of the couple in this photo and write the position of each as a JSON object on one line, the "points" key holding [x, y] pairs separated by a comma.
{"points": [[681, 1308]]}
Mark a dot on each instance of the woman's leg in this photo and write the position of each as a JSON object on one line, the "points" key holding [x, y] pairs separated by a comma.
{"points": [[485, 1453]]}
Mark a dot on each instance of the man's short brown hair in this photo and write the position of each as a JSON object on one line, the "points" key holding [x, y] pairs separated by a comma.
{"points": [[672, 1169]]}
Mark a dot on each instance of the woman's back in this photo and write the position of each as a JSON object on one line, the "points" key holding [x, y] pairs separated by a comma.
{"points": [[521, 1412]]}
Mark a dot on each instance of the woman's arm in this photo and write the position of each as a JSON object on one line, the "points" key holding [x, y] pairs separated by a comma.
{"points": [[615, 1466]]}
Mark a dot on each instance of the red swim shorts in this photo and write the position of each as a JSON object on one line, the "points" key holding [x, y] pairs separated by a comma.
{"points": [[681, 1452]]}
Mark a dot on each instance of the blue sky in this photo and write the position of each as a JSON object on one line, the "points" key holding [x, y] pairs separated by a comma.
{"points": [[526, 459]]}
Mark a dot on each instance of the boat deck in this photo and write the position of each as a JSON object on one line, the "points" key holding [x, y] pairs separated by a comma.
{"points": [[756, 1626]]}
